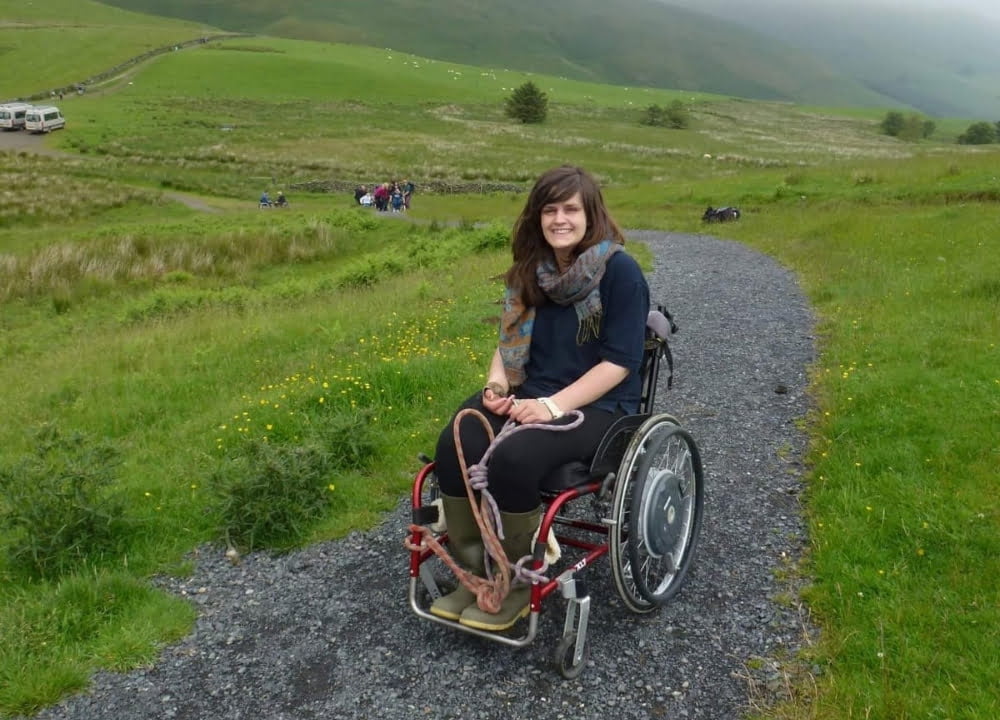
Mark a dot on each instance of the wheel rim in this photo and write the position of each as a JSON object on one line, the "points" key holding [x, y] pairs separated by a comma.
{"points": [[629, 471], [664, 508]]}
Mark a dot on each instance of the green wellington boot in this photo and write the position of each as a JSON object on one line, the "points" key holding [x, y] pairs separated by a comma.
{"points": [[519, 528], [466, 545]]}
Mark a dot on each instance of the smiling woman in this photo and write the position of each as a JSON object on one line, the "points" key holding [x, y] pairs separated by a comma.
{"points": [[571, 340]]}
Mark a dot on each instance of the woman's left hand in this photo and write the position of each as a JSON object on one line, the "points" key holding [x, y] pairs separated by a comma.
{"points": [[530, 411]]}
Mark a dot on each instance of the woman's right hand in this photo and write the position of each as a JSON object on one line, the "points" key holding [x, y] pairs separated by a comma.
{"points": [[497, 404]]}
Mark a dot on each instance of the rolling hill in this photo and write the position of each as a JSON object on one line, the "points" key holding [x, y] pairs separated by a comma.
{"points": [[77, 38], [631, 42], [941, 62]]}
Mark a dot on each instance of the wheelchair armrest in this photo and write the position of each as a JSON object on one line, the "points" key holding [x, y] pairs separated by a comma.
{"points": [[612, 446], [607, 457]]}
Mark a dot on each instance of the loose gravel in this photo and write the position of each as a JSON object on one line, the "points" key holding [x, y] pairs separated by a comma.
{"points": [[326, 632]]}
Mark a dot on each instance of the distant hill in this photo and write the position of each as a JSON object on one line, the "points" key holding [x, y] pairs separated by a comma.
{"points": [[943, 62], [626, 42]]}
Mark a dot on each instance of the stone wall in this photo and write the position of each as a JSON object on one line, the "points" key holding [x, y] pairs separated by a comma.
{"points": [[82, 85], [431, 187]]}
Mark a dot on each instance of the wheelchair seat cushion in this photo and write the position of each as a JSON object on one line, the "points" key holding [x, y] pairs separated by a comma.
{"points": [[566, 477]]}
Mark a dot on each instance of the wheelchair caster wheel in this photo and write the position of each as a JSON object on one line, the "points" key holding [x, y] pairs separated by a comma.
{"points": [[563, 657]]}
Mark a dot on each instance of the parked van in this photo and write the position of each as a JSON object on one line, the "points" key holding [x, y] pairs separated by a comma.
{"points": [[12, 115], [43, 119]]}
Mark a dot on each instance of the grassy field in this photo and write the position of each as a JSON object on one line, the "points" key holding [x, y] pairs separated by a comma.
{"points": [[155, 356], [56, 43]]}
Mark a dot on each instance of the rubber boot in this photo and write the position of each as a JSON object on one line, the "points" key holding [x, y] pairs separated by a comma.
{"points": [[518, 529], [466, 545]]}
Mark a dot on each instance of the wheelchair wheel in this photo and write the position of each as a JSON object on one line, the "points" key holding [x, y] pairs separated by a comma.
{"points": [[563, 657], [657, 511]]}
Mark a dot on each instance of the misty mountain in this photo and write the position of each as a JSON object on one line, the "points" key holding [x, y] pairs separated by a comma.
{"points": [[944, 62], [625, 42]]}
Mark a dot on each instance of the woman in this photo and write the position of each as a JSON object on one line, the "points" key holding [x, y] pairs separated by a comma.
{"points": [[571, 338]]}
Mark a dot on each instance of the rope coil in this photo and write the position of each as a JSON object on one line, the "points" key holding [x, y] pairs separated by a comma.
{"points": [[492, 590]]}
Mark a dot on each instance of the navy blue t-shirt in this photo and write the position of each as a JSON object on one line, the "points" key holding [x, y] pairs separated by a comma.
{"points": [[556, 360]]}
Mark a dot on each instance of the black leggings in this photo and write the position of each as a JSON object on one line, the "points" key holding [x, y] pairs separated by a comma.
{"points": [[520, 462]]}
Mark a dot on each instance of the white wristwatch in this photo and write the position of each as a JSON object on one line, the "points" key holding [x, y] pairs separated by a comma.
{"points": [[551, 407]]}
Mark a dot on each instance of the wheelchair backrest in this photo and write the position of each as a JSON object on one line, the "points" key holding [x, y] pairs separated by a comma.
{"points": [[659, 326]]}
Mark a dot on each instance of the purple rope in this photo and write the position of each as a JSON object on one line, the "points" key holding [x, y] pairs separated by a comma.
{"points": [[478, 481]]}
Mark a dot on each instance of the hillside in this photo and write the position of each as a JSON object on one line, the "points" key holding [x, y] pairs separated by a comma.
{"points": [[632, 42], [80, 38], [943, 62]]}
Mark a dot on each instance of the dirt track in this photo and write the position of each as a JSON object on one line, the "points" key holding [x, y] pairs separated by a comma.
{"points": [[21, 141]]}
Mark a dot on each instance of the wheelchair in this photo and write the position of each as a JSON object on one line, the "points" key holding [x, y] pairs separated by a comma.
{"points": [[647, 491]]}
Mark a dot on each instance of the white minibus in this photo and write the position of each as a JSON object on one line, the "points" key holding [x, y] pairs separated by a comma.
{"points": [[43, 119], [12, 115]]}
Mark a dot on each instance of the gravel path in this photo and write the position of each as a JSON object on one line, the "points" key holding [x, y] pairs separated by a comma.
{"points": [[323, 633]]}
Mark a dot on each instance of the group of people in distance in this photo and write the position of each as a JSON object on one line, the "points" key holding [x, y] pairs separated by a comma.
{"points": [[394, 196], [279, 201]]}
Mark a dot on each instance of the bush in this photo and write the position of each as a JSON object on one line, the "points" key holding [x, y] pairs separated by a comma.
{"points": [[674, 116], [909, 127], [495, 236], [269, 494], [979, 133], [56, 506], [892, 123], [528, 104]]}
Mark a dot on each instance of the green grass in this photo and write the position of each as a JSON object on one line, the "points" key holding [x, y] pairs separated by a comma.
{"points": [[70, 627], [67, 41], [183, 338], [903, 518]]}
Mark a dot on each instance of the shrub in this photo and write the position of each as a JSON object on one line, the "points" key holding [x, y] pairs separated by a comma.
{"points": [[909, 127], [979, 133], [494, 236], [56, 506], [270, 493], [892, 123], [528, 104], [674, 116]]}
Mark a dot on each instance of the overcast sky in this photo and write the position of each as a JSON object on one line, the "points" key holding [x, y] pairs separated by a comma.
{"points": [[989, 8], [986, 8]]}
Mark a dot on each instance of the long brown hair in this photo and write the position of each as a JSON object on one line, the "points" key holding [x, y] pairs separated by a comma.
{"points": [[528, 243]]}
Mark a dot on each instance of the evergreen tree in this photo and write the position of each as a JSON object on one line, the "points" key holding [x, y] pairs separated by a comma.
{"points": [[528, 104]]}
